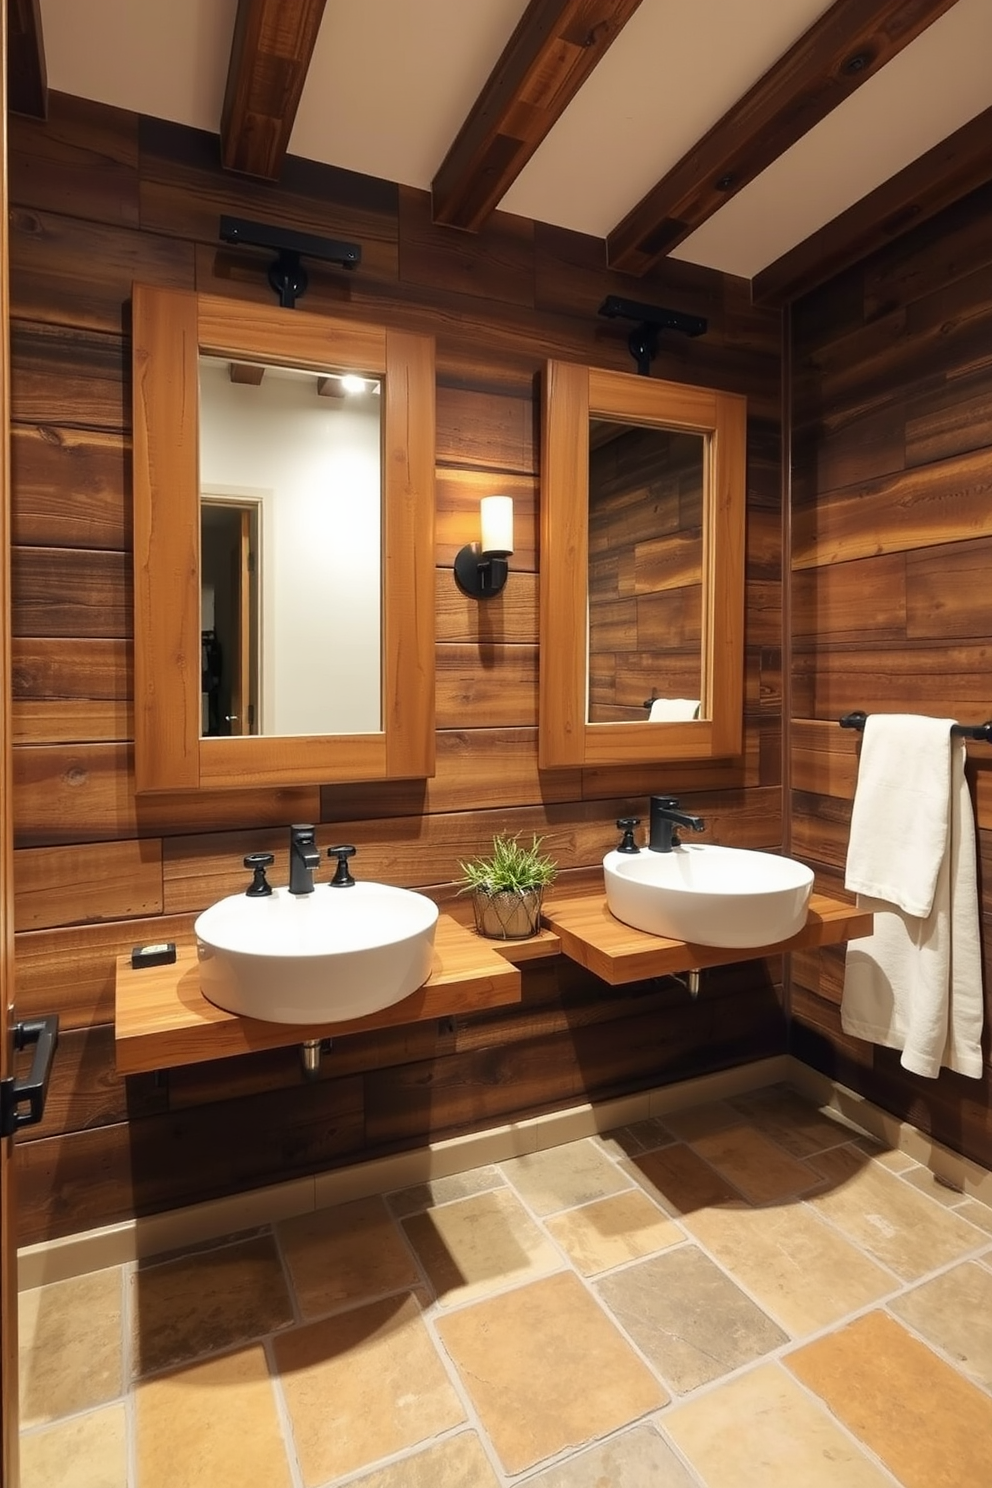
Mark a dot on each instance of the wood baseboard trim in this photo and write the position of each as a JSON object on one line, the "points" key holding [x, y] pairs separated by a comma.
{"points": [[155, 1235], [952, 1167]]}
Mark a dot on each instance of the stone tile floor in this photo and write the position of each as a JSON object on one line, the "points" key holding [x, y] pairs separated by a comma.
{"points": [[748, 1295]]}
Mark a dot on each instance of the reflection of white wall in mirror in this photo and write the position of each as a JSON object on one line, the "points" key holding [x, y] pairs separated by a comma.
{"points": [[496, 517], [321, 538]]}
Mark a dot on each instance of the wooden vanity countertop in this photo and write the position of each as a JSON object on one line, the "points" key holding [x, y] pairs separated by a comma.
{"points": [[618, 954], [162, 1018]]}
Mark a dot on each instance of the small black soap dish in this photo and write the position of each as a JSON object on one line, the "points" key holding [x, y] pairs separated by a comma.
{"points": [[162, 953]]}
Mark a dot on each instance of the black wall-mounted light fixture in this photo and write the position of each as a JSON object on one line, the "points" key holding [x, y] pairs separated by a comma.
{"points": [[481, 568], [643, 340], [287, 275]]}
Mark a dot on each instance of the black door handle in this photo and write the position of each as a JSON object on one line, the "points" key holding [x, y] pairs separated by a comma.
{"points": [[32, 1091]]}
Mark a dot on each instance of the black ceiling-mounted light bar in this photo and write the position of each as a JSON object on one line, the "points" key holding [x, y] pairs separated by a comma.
{"points": [[643, 340], [287, 275]]}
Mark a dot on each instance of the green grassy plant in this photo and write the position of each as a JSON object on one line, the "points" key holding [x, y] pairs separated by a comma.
{"points": [[510, 866]]}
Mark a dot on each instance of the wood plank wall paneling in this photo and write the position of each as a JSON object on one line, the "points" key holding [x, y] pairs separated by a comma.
{"points": [[101, 196], [892, 603]]}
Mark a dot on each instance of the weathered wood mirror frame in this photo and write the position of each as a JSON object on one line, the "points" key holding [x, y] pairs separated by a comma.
{"points": [[170, 328], [572, 395]]}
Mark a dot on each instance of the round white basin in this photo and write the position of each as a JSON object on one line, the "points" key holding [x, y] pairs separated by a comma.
{"points": [[709, 895], [315, 958]]}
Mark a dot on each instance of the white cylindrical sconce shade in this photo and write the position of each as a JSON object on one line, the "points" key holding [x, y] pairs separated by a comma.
{"points": [[496, 514]]}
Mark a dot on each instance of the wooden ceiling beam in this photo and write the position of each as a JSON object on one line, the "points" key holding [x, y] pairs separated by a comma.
{"points": [[850, 42], [271, 51], [950, 170], [27, 75], [555, 47]]}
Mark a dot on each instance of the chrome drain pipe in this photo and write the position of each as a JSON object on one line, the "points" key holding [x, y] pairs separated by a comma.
{"points": [[310, 1051]]}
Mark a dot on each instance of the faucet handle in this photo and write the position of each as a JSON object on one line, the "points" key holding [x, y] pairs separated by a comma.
{"points": [[342, 874], [258, 862], [627, 825]]}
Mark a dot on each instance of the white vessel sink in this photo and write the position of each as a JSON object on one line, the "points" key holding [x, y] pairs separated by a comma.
{"points": [[709, 895], [315, 958]]}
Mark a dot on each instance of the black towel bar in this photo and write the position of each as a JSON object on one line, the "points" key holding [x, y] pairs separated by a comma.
{"points": [[967, 730]]}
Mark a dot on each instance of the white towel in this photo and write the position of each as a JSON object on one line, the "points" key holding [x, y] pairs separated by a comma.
{"points": [[673, 710], [915, 983]]}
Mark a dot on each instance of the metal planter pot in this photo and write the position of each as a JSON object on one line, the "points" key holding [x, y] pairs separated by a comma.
{"points": [[508, 914]]}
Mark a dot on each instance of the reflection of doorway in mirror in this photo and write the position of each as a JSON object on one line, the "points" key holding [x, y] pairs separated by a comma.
{"points": [[229, 616], [646, 565], [312, 440]]}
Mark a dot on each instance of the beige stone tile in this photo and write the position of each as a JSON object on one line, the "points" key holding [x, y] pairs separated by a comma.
{"points": [[759, 1168], [791, 1121], [214, 1422], [688, 1319], [638, 1458], [702, 1121], [444, 1190], [565, 1176], [887, 1157], [71, 1346], [206, 1301], [954, 1312], [85, 1452], [363, 1385], [771, 1435], [638, 1136], [546, 1370], [678, 1179], [477, 1246], [801, 1271], [929, 1425], [897, 1224], [624, 1227], [927, 1182], [459, 1462], [975, 1213], [346, 1254]]}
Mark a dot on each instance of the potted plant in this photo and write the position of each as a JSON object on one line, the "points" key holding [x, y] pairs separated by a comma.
{"points": [[507, 887]]}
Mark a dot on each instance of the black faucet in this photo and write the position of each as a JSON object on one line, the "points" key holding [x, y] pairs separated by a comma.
{"points": [[304, 857], [665, 817]]}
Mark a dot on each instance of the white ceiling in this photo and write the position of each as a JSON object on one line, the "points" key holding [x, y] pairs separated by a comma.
{"points": [[392, 80]]}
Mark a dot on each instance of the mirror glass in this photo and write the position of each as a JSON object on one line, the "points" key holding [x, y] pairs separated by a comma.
{"points": [[290, 549], [646, 563]]}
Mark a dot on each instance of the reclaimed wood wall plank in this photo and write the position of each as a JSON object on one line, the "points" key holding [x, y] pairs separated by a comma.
{"points": [[894, 399]]}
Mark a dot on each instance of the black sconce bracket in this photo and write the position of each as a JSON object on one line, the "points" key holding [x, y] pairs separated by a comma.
{"points": [[287, 275], [479, 575], [643, 340]]}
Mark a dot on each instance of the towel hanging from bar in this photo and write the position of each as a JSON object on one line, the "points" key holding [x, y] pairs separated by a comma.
{"points": [[915, 983]]}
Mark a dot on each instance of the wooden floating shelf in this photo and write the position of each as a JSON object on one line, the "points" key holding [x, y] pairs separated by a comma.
{"points": [[619, 954], [162, 1018]]}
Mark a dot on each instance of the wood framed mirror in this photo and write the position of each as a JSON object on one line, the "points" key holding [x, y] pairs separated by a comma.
{"points": [[642, 569], [178, 743]]}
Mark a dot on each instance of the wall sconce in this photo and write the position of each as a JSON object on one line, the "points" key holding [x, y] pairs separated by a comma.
{"points": [[481, 568]]}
